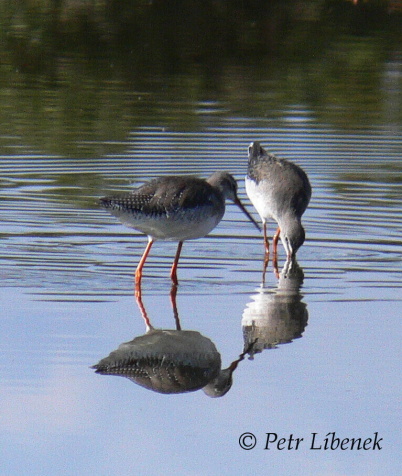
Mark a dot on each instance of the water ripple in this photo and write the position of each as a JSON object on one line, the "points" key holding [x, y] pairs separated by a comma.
{"points": [[54, 234]]}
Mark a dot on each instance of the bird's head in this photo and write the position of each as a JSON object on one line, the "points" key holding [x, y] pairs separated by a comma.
{"points": [[227, 185], [292, 236]]}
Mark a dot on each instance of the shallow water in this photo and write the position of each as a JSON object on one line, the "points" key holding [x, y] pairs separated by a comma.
{"points": [[67, 270], [67, 285]]}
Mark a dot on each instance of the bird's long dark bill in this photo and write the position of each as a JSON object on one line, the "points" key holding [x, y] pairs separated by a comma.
{"points": [[242, 208]]}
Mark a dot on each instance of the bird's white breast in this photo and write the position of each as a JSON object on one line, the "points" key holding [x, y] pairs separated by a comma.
{"points": [[261, 197]]}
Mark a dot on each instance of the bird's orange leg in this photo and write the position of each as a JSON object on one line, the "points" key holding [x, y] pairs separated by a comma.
{"points": [[138, 271], [173, 272], [275, 240]]}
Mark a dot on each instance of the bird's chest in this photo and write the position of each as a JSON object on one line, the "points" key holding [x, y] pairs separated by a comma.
{"points": [[263, 199]]}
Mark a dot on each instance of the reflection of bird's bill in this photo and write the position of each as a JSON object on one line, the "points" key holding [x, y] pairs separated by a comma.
{"points": [[223, 383], [289, 264], [292, 272], [243, 209]]}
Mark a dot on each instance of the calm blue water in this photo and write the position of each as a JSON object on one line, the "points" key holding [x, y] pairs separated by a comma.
{"points": [[327, 357], [67, 302]]}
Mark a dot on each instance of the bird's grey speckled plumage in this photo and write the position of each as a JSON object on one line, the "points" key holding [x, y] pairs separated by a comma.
{"points": [[175, 208], [279, 190]]}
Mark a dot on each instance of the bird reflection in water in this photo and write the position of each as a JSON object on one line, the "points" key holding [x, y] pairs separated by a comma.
{"points": [[276, 316], [170, 360]]}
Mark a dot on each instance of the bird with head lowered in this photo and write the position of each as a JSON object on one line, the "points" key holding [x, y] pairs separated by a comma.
{"points": [[279, 190]]}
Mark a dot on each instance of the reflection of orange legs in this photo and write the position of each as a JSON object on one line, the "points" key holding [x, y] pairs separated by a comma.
{"points": [[138, 298], [173, 294], [266, 240], [264, 267], [275, 265], [138, 271], [173, 272], [142, 307], [275, 240]]}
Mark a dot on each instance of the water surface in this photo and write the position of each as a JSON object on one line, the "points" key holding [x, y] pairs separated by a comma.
{"points": [[327, 357]]}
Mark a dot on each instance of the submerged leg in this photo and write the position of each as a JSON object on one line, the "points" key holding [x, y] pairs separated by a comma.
{"points": [[138, 271], [173, 272]]}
